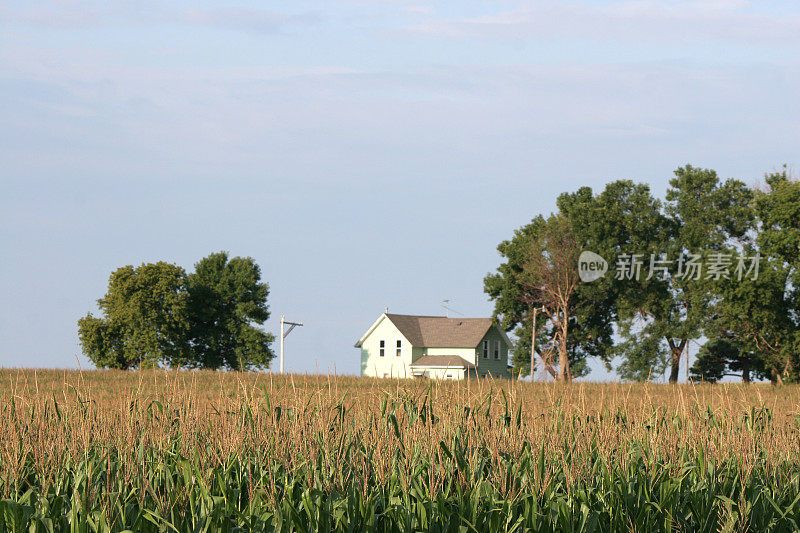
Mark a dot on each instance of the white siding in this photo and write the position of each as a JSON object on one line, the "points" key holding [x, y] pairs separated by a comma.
{"points": [[468, 354], [389, 365], [445, 373]]}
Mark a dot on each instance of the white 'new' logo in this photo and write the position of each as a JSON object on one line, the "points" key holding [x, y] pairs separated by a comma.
{"points": [[591, 266]]}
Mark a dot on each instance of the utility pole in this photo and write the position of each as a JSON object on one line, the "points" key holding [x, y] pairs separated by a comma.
{"points": [[291, 325], [533, 337], [687, 363]]}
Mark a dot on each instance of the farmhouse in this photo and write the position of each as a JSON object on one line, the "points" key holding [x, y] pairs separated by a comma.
{"points": [[405, 346]]}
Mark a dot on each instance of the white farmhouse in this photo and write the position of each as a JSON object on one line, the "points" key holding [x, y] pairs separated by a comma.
{"points": [[405, 346]]}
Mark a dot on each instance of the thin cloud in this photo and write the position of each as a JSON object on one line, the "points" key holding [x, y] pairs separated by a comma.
{"points": [[418, 9], [70, 15], [648, 21], [234, 18], [237, 18]]}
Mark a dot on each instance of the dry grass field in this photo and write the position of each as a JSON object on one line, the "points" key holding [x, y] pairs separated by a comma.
{"points": [[205, 451]]}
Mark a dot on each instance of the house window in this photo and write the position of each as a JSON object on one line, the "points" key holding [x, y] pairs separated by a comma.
{"points": [[497, 349], [399, 347], [486, 349], [382, 351]]}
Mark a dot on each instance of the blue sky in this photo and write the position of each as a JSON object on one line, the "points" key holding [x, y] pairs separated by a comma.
{"points": [[365, 153]]}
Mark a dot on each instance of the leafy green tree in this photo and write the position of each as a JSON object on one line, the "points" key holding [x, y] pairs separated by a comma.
{"points": [[623, 219], [644, 355], [776, 334], [754, 315], [705, 216], [656, 316], [758, 313], [541, 269], [712, 360], [700, 215], [155, 314], [104, 344], [145, 318], [722, 357], [227, 301]]}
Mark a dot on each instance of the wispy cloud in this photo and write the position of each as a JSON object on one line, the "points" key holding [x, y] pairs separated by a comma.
{"points": [[648, 21], [418, 9], [332, 121], [67, 14], [256, 20]]}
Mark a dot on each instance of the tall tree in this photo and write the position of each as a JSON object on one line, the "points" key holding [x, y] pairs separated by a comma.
{"points": [[706, 216], [228, 301], [639, 235], [540, 268], [752, 313], [549, 276], [622, 220], [657, 248], [756, 314], [672, 284], [778, 338], [145, 318]]}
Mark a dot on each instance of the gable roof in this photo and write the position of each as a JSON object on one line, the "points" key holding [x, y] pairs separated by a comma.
{"points": [[438, 331], [451, 361], [441, 331]]}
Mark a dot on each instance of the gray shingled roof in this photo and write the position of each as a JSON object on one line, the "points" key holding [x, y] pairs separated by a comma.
{"points": [[440, 331], [452, 361]]}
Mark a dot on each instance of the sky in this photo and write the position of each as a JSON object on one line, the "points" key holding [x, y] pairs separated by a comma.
{"points": [[366, 153]]}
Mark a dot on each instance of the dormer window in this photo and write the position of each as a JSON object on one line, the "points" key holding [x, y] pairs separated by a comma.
{"points": [[382, 351], [399, 347]]}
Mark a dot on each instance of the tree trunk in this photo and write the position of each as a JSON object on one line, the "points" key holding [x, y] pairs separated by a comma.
{"points": [[676, 352], [778, 375], [563, 358], [746, 371], [533, 342], [547, 363], [563, 364]]}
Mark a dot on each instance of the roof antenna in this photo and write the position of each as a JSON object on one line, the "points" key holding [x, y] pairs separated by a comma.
{"points": [[448, 310], [386, 309]]}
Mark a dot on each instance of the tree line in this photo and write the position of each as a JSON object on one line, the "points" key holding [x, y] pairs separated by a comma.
{"points": [[158, 315], [716, 264]]}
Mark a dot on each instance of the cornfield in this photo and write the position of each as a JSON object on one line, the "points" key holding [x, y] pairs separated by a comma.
{"points": [[204, 451]]}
